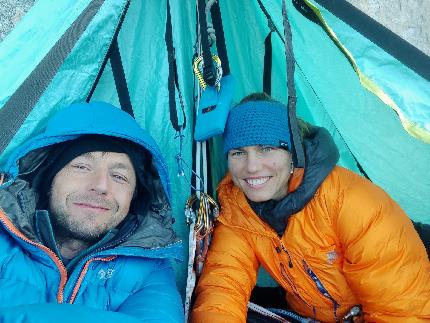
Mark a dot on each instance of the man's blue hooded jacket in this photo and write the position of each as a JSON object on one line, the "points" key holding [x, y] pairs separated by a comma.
{"points": [[125, 279]]}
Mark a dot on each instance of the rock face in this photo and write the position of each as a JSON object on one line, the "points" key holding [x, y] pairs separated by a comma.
{"points": [[407, 18], [11, 11]]}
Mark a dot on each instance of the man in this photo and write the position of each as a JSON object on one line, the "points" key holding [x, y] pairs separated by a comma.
{"points": [[85, 220], [332, 240]]}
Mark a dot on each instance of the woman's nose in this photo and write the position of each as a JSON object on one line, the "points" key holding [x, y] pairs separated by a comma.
{"points": [[253, 163]]}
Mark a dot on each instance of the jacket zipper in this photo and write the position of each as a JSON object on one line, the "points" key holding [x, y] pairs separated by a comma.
{"points": [[292, 286], [63, 273], [83, 273], [84, 270], [285, 275], [290, 263], [89, 261], [319, 285]]}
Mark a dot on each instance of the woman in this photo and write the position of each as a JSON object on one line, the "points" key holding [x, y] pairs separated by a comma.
{"points": [[330, 238]]}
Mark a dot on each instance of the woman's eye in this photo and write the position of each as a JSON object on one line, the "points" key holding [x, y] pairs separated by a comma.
{"points": [[266, 149], [237, 154]]}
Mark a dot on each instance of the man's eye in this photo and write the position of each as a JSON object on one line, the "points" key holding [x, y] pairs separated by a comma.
{"points": [[80, 167], [120, 178]]}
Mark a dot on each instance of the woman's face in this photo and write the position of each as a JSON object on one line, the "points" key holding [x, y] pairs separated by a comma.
{"points": [[261, 172]]}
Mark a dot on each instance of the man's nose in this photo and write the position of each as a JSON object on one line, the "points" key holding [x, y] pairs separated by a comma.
{"points": [[253, 163], [100, 182]]}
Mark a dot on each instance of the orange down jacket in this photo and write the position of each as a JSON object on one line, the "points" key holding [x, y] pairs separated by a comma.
{"points": [[338, 251]]}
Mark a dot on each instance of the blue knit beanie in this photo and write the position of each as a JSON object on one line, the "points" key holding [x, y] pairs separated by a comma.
{"points": [[257, 123]]}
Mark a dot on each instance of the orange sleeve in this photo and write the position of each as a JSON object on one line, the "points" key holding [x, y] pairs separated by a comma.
{"points": [[385, 262], [228, 277]]}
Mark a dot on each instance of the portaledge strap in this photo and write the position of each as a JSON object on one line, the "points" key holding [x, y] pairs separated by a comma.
{"points": [[117, 68], [209, 74], [267, 71], [299, 156], [172, 81], [220, 39], [120, 80]]}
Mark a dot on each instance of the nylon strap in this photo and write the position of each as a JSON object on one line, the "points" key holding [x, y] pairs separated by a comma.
{"points": [[120, 80], [114, 51], [172, 80], [220, 39], [299, 156], [269, 19], [209, 74], [21, 103], [267, 71]]}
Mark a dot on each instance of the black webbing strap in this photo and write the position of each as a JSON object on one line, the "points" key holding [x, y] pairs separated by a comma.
{"points": [[209, 74], [267, 71], [114, 51], [299, 155], [21, 103], [172, 81], [269, 19], [220, 39], [120, 80]]}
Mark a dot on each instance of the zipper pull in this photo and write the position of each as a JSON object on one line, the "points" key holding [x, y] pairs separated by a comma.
{"points": [[290, 263]]}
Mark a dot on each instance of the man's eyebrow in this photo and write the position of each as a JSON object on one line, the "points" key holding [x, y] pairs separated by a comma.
{"points": [[88, 155], [120, 165]]}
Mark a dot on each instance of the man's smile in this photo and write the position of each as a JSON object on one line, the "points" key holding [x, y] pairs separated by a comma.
{"points": [[92, 206]]}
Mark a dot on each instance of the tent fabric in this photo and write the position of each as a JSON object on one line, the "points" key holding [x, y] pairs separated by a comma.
{"points": [[362, 95], [68, 85], [403, 90]]}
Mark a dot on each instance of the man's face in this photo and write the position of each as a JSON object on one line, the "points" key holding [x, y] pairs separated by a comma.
{"points": [[91, 195], [261, 172]]}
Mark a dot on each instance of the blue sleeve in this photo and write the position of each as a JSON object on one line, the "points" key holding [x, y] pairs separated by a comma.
{"points": [[158, 300], [64, 313]]}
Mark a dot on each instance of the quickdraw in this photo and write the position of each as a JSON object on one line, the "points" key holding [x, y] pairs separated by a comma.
{"points": [[200, 210], [198, 70], [203, 217]]}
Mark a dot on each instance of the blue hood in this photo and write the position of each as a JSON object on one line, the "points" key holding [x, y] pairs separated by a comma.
{"points": [[94, 118], [155, 232]]}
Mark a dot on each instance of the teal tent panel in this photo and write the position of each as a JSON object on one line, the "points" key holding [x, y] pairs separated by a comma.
{"points": [[32, 38], [72, 84], [391, 157], [409, 92]]}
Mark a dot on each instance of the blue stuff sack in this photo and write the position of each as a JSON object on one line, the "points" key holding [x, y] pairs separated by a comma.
{"points": [[213, 109]]}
